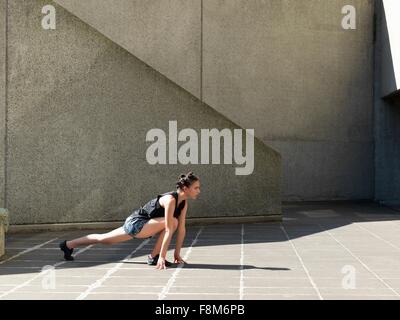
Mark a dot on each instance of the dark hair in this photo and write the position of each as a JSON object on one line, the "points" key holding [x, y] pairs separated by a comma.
{"points": [[186, 180]]}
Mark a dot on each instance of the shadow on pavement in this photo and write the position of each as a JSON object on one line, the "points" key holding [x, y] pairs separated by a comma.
{"points": [[217, 266]]}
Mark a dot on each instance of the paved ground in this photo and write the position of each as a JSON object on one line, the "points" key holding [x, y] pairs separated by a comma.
{"points": [[320, 251]]}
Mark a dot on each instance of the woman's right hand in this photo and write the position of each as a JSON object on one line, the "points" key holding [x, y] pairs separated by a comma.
{"points": [[161, 264]]}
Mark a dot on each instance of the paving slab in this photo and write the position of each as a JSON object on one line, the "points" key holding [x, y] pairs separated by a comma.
{"points": [[5, 288], [393, 282], [121, 281], [42, 289], [361, 297], [68, 280], [357, 291], [150, 289], [41, 296], [359, 283], [280, 297], [121, 296], [204, 296]]}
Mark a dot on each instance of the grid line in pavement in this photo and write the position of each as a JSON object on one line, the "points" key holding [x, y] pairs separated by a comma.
{"points": [[162, 295], [302, 263]]}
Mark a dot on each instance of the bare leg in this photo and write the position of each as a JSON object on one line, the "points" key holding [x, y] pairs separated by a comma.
{"points": [[114, 236], [157, 247], [152, 227]]}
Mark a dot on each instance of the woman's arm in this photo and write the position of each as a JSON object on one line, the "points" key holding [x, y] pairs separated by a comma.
{"points": [[169, 228], [180, 237]]}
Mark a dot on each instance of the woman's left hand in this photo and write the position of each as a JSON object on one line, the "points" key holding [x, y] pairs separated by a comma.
{"points": [[178, 259]]}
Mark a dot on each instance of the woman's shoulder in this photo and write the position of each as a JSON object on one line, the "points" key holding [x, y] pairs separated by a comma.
{"points": [[169, 194], [168, 197]]}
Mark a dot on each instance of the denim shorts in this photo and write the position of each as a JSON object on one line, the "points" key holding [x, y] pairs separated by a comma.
{"points": [[133, 225]]}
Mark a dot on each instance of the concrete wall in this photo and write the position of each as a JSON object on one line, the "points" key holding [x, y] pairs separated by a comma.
{"points": [[2, 97], [390, 49], [165, 34], [288, 69], [80, 105], [387, 118], [79, 110], [388, 151], [283, 67]]}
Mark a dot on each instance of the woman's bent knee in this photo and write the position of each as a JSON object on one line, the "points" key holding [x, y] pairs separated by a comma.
{"points": [[151, 228]]}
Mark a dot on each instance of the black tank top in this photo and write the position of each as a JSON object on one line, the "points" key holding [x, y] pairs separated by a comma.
{"points": [[153, 209]]}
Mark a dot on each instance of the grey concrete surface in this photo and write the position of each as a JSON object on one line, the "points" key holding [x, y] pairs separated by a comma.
{"points": [[164, 34], [386, 120], [79, 110], [2, 97], [326, 169], [312, 255], [305, 85]]}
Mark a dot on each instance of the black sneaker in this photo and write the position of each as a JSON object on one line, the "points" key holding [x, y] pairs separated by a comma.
{"points": [[67, 251], [152, 261]]}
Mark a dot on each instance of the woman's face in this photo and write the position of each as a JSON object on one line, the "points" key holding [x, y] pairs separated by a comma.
{"points": [[194, 190]]}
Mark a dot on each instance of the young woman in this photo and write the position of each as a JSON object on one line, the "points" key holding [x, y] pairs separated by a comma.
{"points": [[166, 214]]}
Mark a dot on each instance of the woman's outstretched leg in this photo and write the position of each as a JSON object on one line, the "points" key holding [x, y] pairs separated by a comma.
{"points": [[114, 236]]}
